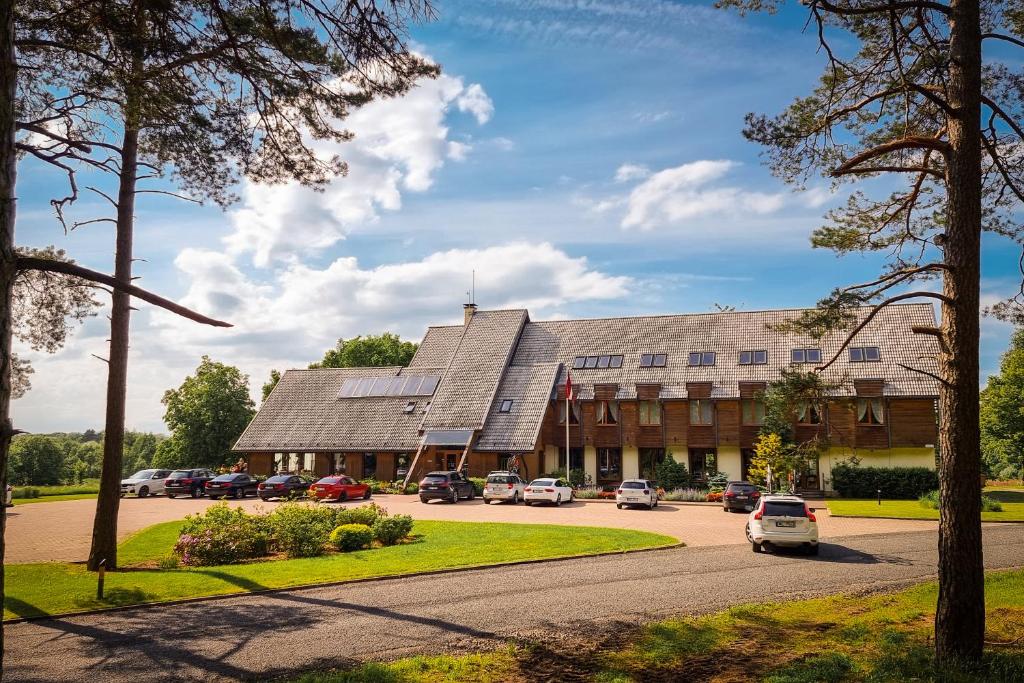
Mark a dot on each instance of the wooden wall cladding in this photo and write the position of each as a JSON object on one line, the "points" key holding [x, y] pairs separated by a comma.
{"points": [[869, 387], [588, 416], [608, 435], [802, 433], [648, 392], [700, 436], [842, 422], [698, 389], [752, 389], [872, 436], [728, 419], [749, 435], [913, 422], [629, 418], [676, 415], [605, 392], [651, 436]]}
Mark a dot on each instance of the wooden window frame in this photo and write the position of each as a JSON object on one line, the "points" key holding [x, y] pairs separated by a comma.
{"points": [[644, 413], [752, 402], [699, 404]]}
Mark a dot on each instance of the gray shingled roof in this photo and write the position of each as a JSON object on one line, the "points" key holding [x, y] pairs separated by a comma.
{"points": [[464, 395], [529, 388], [437, 346], [727, 334]]}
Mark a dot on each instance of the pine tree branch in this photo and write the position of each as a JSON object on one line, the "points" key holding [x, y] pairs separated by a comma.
{"points": [[51, 266], [898, 169], [924, 372], [998, 111], [895, 6], [1000, 36], [875, 311], [909, 142]]}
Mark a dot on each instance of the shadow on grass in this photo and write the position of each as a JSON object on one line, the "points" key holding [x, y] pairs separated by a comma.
{"points": [[1001, 496], [21, 608]]}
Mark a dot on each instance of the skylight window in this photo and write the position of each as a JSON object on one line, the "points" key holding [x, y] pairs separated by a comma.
{"points": [[653, 360], [865, 354], [753, 357], [506, 406], [647, 360], [660, 359], [409, 407], [596, 362], [805, 356], [698, 358]]}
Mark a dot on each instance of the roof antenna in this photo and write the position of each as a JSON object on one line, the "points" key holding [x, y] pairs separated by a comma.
{"points": [[472, 298]]}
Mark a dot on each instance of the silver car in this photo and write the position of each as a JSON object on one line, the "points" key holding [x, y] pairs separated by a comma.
{"points": [[637, 492], [504, 486], [784, 521]]}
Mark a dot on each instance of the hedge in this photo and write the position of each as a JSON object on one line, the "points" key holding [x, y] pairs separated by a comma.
{"points": [[895, 483]]}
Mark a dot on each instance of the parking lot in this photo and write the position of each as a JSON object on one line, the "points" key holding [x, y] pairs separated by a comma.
{"points": [[60, 531]]}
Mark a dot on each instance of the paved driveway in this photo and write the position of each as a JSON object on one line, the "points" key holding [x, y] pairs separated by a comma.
{"points": [[47, 532], [258, 637]]}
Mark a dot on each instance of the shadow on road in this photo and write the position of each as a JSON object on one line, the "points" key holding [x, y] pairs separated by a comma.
{"points": [[840, 554]]}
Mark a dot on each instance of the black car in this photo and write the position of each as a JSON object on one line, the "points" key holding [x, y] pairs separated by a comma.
{"points": [[450, 486], [187, 483], [284, 486], [231, 485], [740, 495]]}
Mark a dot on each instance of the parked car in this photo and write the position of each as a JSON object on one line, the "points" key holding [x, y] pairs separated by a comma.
{"points": [[283, 486], [555, 491], [450, 486], [144, 483], [504, 486], [187, 483], [740, 495], [783, 521], [637, 492], [340, 488], [236, 485]]}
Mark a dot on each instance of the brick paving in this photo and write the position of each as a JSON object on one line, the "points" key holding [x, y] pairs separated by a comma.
{"points": [[60, 532]]}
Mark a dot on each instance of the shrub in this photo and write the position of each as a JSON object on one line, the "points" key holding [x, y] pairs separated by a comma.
{"points": [[896, 483], [687, 495], [671, 474], [221, 535], [302, 530], [25, 492], [412, 488], [364, 514], [717, 482], [990, 505], [391, 530], [587, 494], [349, 537], [931, 500], [715, 497], [478, 484]]}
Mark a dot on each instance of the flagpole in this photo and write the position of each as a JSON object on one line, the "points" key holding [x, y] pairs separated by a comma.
{"points": [[568, 458]]}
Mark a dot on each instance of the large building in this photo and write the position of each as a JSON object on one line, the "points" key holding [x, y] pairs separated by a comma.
{"points": [[479, 393]]}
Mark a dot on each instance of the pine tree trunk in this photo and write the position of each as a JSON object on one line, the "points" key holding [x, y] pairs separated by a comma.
{"points": [[960, 614], [104, 530], [8, 270]]}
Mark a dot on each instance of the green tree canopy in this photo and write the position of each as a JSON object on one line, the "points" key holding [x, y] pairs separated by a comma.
{"points": [[36, 459], [1002, 414], [368, 352], [207, 414]]}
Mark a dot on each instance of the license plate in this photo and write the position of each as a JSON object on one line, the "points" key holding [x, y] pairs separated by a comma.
{"points": [[748, 508], [741, 497], [632, 500], [789, 525]]}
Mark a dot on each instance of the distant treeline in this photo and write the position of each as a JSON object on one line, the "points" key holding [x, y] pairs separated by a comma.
{"points": [[73, 457]]}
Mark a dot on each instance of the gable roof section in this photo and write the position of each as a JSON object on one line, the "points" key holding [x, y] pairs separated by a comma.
{"points": [[437, 347], [529, 388], [727, 334], [468, 386]]}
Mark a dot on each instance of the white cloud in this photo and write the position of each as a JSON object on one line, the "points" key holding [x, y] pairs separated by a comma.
{"points": [[628, 172], [399, 145], [683, 192], [475, 101]]}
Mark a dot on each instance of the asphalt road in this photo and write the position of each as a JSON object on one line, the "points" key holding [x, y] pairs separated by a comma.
{"points": [[260, 636]]}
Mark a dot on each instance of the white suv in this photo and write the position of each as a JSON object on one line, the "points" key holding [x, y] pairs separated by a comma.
{"points": [[506, 486], [145, 483], [783, 521], [637, 492]]}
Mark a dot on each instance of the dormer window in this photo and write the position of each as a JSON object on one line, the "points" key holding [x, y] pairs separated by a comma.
{"points": [[865, 354], [653, 360], [753, 357], [805, 356], [702, 358], [506, 406]]}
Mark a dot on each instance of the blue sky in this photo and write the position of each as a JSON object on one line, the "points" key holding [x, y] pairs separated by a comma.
{"points": [[585, 158]]}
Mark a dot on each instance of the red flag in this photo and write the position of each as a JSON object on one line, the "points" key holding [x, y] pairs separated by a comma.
{"points": [[568, 386]]}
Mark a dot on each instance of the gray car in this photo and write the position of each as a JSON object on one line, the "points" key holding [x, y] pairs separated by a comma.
{"points": [[450, 486]]}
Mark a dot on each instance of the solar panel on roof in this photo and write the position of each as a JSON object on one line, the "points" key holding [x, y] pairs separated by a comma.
{"points": [[364, 387], [429, 385], [412, 385], [380, 386], [396, 386], [348, 387]]}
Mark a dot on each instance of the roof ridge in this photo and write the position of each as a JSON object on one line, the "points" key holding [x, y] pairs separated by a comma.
{"points": [[706, 313]]}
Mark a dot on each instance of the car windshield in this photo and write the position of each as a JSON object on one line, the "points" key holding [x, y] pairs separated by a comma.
{"points": [[226, 477], [180, 474], [742, 488], [633, 485], [784, 509], [143, 474], [499, 479], [279, 479], [436, 477], [330, 480], [542, 482]]}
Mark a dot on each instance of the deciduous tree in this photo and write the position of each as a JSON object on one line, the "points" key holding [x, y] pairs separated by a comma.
{"points": [[1002, 414], [379, 350], [906, 94]]}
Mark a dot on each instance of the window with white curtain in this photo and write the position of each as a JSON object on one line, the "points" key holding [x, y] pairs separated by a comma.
{"points": [[870, 411], [702, 412], [607, 412], [650, 413], [808, 413]]}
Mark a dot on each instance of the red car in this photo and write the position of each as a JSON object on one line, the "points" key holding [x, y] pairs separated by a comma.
{"points": [[340, 488]]}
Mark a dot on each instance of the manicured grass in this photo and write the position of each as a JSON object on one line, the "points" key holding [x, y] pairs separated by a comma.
{"points": [[57, 588], [886, 637], [1012, 500], [53, 498]]}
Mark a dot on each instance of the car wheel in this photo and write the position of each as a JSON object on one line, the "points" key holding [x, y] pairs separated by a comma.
{"points": [[655, 503], [366, 496], [143, 492], [558, 500], [527, 503], [423, 500], [455, 496], [572, 497], [515, 498], [746, 530], [756, 547], [197, 493], [472, 494], [618, 505], [171, 495], [343, 496]]}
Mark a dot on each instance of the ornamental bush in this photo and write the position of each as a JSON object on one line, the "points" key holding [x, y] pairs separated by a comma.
{"points": [[687, 495], [896, 483], [717, 482], [478, 485], [391, 530], [221, 535], [671, 474], [364, 514], [931, 500], [349, 537], [301, 530]]}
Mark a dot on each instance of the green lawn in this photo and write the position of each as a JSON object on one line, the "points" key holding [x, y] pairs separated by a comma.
{"points": [[53, 498], [1012, 500], [884, 637], [57, 588]]}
